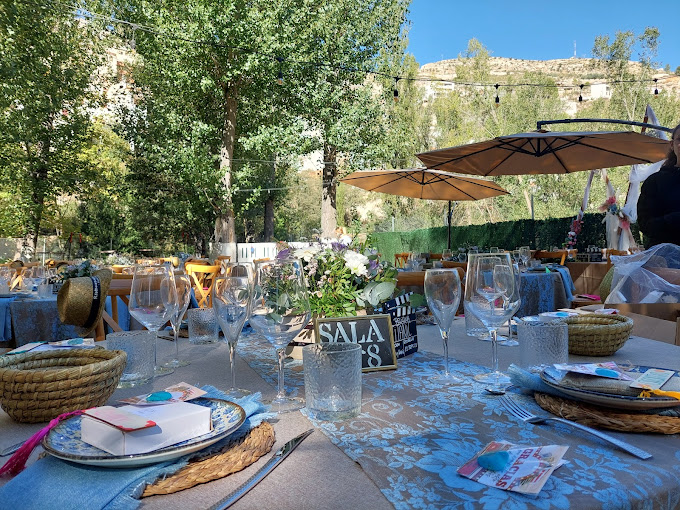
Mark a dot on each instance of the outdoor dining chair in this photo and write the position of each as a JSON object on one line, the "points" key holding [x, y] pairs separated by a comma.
{"points": [[400, 259], [559, 254], [202, 278]]}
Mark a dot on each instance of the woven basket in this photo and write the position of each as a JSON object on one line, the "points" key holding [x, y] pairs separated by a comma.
{"points": [[36, 387], [598, 335]]}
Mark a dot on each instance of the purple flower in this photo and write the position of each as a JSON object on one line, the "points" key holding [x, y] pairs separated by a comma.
{"points": [[338, 246], [373, 264], [283, 254]]}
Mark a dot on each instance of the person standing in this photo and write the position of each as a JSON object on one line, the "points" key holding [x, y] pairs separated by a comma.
{"points": [[659, 203]]}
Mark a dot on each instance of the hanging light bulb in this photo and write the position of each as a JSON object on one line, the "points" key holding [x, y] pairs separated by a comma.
{"points": [[580, 94], [656, 89], [396, 91], [498, 99]]}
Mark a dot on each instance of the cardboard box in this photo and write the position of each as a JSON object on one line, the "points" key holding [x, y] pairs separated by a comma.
{"points": [[174, 423]]}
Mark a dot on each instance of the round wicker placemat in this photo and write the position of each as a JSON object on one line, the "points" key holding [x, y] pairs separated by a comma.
{"points": [[234, 456], [601, 417]]}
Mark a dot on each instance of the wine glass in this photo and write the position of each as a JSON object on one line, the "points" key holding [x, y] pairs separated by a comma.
{"points": [[442, 291], [447, 254], [280, 311], [153, 301], [494, 249], [524, 254], [232, 303], [491, 294], [183, 288]]}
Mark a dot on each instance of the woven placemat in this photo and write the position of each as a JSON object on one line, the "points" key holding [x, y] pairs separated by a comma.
{"points": [[602, 417], [234, 456]]}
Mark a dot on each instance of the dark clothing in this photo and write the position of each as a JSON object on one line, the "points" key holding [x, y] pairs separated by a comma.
{"points": [[659, 207]]}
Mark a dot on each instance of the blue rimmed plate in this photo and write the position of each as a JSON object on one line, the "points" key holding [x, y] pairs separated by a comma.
{"points": [[552, 376], [64, 441]]}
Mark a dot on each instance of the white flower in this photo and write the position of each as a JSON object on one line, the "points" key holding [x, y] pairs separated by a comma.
{"points": [[306, 254], [356, 263]]}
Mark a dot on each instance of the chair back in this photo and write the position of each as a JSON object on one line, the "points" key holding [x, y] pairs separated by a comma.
{"points": [[400, 259], [559, 254], [202, 279], [616, 253]]}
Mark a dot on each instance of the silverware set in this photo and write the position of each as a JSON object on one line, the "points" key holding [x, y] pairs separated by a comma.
{"points": [[523, 414]]}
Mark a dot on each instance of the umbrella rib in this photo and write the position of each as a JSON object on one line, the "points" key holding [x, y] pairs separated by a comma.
{"points": [[642, 160]]}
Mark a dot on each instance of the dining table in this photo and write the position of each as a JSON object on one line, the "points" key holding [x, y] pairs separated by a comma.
{"points": [[412, 435]]}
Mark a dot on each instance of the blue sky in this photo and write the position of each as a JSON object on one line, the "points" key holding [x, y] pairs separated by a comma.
{"points": [[539, 29]]}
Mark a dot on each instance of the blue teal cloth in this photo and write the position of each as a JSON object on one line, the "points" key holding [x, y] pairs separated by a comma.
{"points": [[5, 319], [53, 483], [569, 287]]}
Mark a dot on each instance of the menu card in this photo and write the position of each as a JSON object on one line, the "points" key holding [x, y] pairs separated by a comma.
{"points": [[177, 393], [524, 469]]}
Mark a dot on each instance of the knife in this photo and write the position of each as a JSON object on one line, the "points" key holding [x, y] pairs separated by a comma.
{"points": [[276, 459]]}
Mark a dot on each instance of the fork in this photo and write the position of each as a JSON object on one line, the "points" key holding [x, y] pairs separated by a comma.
{"points": [[519, 412]]}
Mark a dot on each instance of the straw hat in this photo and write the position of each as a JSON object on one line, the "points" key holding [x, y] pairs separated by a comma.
{"points": [[81, 300]]}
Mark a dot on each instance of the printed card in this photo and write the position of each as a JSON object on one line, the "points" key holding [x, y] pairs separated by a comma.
{"points": [[523, 469], [652, 379], [607, 369], [26, 348], [178, 393], [120, 419]]}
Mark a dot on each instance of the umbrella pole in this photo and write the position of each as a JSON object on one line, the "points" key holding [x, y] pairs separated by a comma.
{"points": [[448, 224]]}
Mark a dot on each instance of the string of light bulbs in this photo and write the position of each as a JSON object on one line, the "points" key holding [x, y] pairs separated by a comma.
{"points": [[281, 60]]}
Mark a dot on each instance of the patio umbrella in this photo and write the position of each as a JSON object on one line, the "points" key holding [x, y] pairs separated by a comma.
{"points": [[424, 183], [427, 184], [543, 152]]}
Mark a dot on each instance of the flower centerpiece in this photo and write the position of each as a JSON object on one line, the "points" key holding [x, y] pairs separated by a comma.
{"points": [[611, 207], [343, 279], [574, 231], [85, 268]]}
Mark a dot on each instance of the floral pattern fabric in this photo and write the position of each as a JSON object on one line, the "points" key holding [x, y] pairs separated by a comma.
{"points": [[413, 434]]}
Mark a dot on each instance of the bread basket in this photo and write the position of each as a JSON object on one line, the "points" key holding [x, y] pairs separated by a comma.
{"points": [[598, 334], [36, 387]]}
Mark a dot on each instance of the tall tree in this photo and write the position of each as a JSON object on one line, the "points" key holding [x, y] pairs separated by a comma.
{"points": [[48, 56]]}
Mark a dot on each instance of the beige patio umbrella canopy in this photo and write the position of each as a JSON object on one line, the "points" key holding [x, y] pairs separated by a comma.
{"points": [[424, 183], [542, 152]]}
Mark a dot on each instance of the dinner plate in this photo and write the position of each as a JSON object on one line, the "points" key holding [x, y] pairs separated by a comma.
{"points": [[64, 441], [551, 377]]}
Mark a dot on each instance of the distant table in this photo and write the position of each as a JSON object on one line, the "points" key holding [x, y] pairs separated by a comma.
{"points": [[37, 320], [541, 292], [587, 276]]}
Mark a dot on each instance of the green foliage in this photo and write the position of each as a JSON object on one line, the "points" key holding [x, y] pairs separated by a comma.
{"points": [[539, 234]]}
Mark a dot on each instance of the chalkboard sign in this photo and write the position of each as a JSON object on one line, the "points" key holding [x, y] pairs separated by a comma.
{"points": [[372, 332]]}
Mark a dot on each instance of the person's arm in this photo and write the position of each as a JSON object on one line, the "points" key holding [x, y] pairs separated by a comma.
{"points": [[651, 219]]}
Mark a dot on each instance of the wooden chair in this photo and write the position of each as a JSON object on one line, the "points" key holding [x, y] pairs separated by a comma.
{"points": [[173, 260], [220, 258], [121, 285], [559, 254], [260, 260], [400, 259], [435, 256], [616, 253], [203, 278]]}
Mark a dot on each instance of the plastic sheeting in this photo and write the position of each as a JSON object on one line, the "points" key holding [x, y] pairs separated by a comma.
{"points": [[651, 276]]}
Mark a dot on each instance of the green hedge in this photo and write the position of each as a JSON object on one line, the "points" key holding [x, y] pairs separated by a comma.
{"points": [[538, 234]]}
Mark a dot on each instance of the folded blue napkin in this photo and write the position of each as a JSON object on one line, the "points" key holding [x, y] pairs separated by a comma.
{"points": [[567, 280], [54, 483]]}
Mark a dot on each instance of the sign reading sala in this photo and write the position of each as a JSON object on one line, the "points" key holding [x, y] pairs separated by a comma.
{"points": [[372, 332]]}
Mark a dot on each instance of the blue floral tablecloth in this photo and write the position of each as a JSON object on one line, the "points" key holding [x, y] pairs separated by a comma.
{"points": [[413, 434]]}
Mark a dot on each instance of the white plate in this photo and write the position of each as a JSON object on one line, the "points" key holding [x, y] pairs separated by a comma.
{"points": [[64, 441], [550, 376]]}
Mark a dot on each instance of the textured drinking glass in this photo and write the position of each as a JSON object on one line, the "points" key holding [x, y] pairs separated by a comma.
{"points": [[332, 380], [542, 343], [45, 290], [203, 326], [140, 349]]}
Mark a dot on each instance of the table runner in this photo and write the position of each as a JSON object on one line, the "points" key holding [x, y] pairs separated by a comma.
{"points": [[413, 434], [541, 292]]}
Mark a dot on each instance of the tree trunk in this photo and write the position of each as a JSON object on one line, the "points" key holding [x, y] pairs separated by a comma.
{"points": [[329, 220], [225, 231]]}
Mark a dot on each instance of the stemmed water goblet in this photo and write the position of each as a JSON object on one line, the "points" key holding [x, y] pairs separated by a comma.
{"points": [[153, 301], [183, 288], [491, 294], [232, 300], [447, 254], [442, 291], [524, 254], [280, 310]]}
